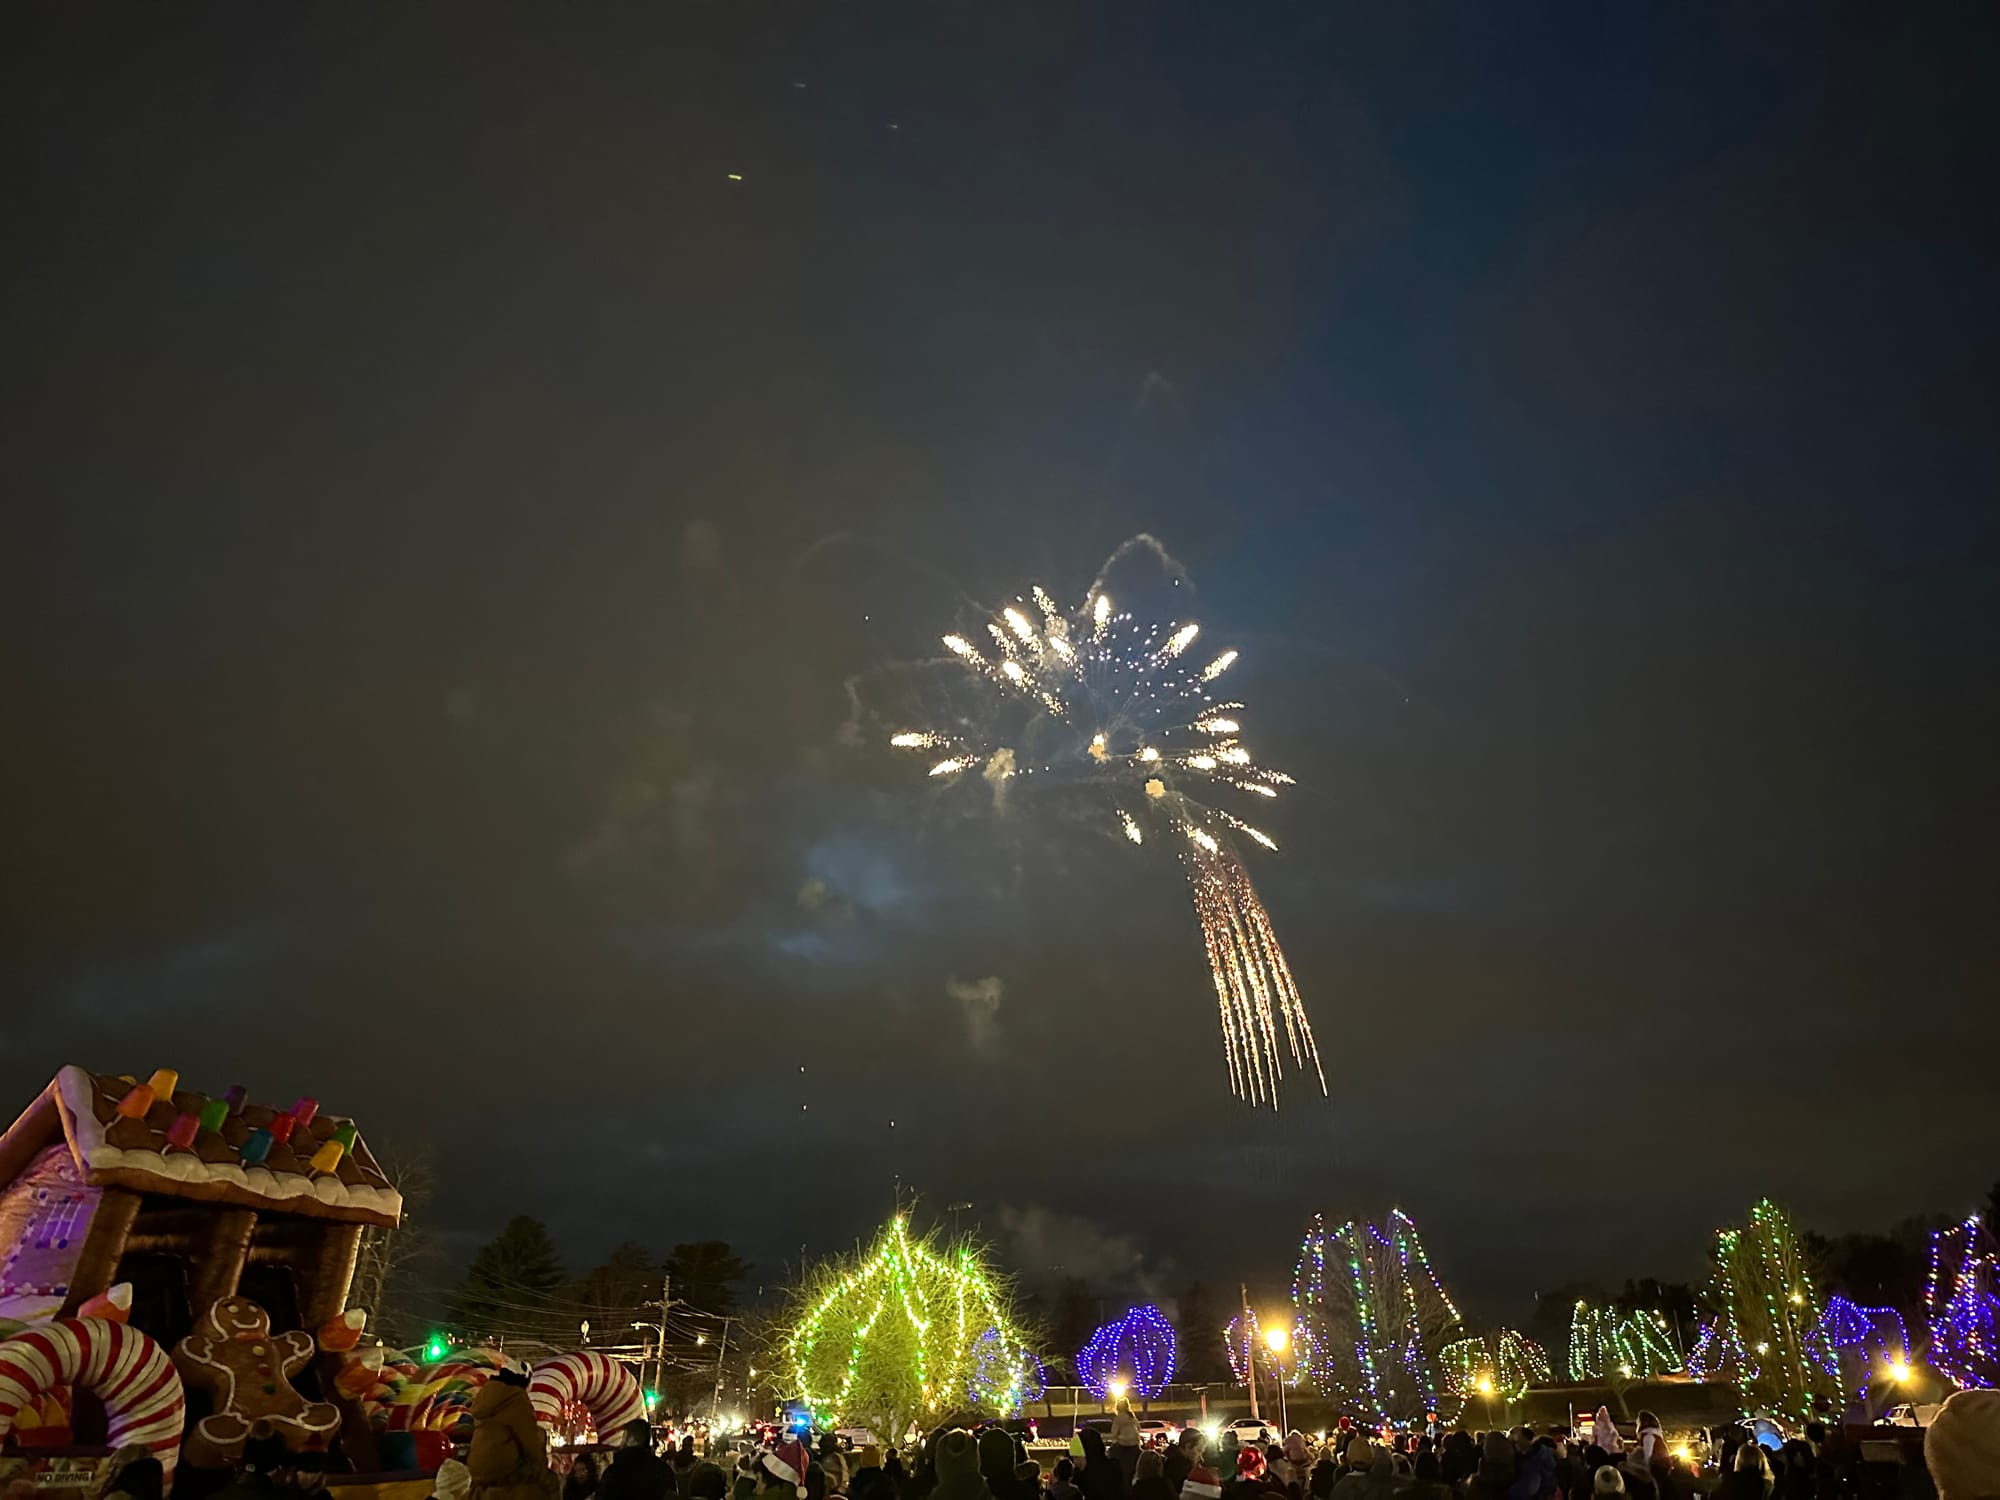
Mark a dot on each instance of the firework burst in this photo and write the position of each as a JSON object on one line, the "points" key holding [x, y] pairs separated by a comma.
{"points": [[1128, 710]]}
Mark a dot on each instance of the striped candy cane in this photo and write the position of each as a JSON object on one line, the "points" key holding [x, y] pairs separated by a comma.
{"points": [[596, 1382], [124, 1368]]}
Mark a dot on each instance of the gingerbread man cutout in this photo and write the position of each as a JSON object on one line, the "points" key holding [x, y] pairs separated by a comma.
{"points": [[248, 1374]]}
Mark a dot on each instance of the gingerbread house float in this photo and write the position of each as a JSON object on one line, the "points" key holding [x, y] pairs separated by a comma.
{"points": [[189, 1197]]}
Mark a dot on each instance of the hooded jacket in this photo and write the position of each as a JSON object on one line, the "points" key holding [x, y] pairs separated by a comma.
{"points": [[507, 1444], [957, 1463]]}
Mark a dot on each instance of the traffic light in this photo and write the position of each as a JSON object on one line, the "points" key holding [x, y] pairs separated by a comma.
{"points": [[652, 1400], [436, 1349]]}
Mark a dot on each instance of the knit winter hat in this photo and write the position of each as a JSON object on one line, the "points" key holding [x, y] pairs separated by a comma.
{"points": [[788, 1461], [1360, 1453], [1962, 1446], [1608, 1481], [1201, 1484], [1295, 1447], [957, 1453]]}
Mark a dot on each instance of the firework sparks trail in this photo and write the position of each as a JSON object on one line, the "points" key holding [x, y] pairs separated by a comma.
{"points": [[1120, 709]]}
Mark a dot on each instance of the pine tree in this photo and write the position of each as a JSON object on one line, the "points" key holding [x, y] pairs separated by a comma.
{"points": [[506, 1292], [705, 1275]]}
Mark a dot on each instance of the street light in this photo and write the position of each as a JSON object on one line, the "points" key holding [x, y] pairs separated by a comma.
{"points": [[1277, 1339], [1899, 1371]]}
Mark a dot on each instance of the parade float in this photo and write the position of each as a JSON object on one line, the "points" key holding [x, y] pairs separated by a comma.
{"points": [[174, 1269]]}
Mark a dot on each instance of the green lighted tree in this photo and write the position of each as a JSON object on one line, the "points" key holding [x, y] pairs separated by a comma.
{"points": [[1766, 1335], [905, 1333]]}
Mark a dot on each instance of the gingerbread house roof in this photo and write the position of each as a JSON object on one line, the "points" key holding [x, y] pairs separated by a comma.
{"points": [[111, 1149]]}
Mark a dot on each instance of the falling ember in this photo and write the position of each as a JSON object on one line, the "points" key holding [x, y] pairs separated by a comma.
{"points": [[1097, 749], [1155, 787], [1100, 611], [1202, 762], [1204, 838], [1180, 639], [1254, 989], [1236, 755], [1149, 754], [1258, 788], [946, 767], [1019, 622], [1013, 671], [915, 740], [1217, 726], [958, 645], [1217, 667], [1061, 647], [1131, 828]]}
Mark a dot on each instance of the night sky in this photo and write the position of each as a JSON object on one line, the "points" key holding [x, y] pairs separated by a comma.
{"points": [[445, 506]]}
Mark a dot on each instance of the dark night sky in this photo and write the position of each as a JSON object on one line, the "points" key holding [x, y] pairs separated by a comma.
{"points": [[443, 509]]}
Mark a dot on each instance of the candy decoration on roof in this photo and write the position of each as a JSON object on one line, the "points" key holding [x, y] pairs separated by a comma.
{"points": [[256, 1147], [281, 1127], [327, 1157], [234, 1096], [142, 1096], [1136, 1350], [1962, 1299], [213, 1115], [342, 1331], [182, 1132], [598, 1383], [113, 1305], [305, 1109], [127, 1372]]}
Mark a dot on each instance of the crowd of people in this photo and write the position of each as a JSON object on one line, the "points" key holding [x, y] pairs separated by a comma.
{"points": [[1595, 1462]]}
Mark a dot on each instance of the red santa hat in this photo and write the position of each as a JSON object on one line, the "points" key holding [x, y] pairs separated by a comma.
{"points": [[1200, 1484], [1249, 1462], [788, 1461]]}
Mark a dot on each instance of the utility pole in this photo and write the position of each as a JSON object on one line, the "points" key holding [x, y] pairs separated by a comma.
{"points": [[715, 1406], [660, 1353], [1250, 1342]]}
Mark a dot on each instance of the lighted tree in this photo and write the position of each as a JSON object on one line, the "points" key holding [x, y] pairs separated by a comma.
{"points": [[1372, 1316], [1136, 1351], [1498, 1366], [1607, 1343], [905, 1333], [1768, 1332], [1962, 1302]]}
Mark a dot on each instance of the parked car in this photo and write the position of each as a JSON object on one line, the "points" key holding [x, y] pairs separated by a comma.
{"points": [[1910, 1414], [1253, 1430], [1155, 1433]]}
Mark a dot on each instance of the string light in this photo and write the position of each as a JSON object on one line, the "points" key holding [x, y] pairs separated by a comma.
{"points": [[1370, 1331], [1137, 1349], [897, 1334], [1504, 1362], [1962, 1300], [1768, 1336], [1636, 1344], [1875, 1337]]}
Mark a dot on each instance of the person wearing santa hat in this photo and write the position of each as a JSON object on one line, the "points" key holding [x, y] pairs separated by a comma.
{"points": [[785, 1465], [1201, 1484]]}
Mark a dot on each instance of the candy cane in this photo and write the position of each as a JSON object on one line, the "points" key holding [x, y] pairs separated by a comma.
{"points": [[130, 1374], [596, 1382]]}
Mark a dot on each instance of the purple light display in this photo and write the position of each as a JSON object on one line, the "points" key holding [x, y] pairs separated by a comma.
{"points": [[1138, 1348]]}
